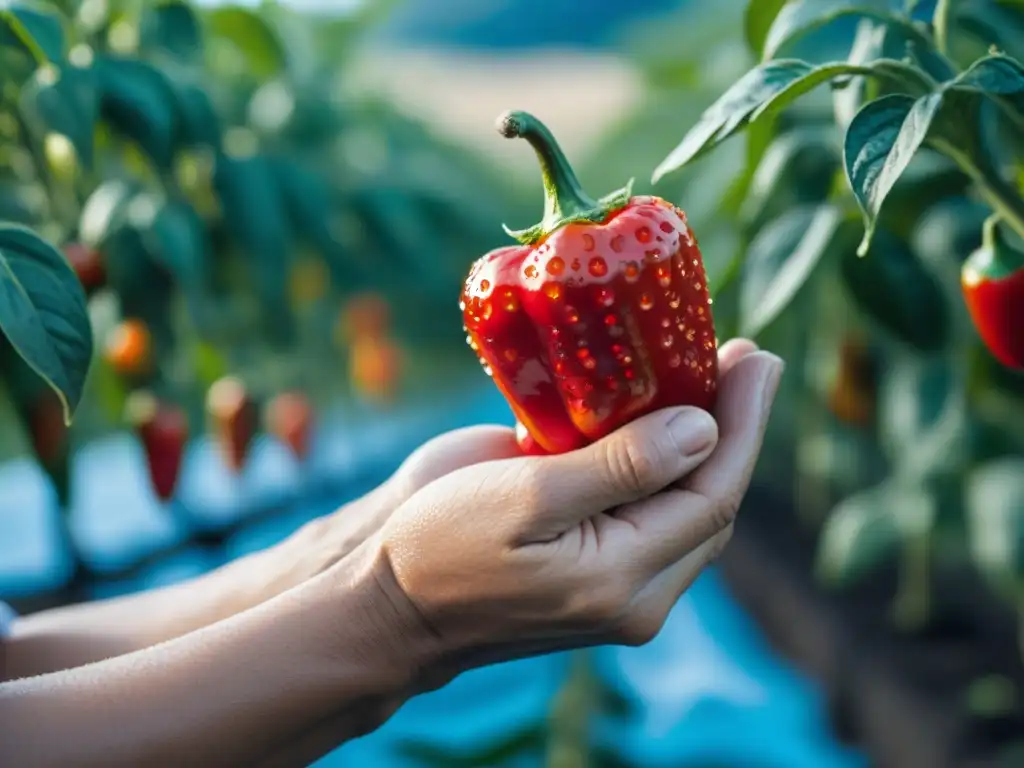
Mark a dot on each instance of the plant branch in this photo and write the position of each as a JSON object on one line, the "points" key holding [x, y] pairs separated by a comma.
{"points": [[1002, 196], [940, 23]]}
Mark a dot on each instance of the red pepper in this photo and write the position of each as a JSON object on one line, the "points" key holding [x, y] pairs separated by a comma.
{"points": [[50, 442], [289, 417], [88, 265], [992, 280], [163, 430], [600, 315], [235, 418]]}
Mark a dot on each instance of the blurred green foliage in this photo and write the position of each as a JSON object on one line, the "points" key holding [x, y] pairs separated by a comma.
{"points": [[238, 192], [835, 235]]}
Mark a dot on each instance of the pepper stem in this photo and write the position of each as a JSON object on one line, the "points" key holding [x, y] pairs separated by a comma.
{"points": [[1004, 253], [565, 202]]}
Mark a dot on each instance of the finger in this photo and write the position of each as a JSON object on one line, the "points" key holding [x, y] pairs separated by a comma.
{"points": [[635, 461], [742, 412], [663, 592], [671, 524], [732, 352], [452, 451]]}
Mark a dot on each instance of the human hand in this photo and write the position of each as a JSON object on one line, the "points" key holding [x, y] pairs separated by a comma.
{"points": [[324, 541], [527, 555]]}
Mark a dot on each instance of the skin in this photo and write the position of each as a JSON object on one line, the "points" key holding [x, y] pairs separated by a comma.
{"points": [[470, 554]]}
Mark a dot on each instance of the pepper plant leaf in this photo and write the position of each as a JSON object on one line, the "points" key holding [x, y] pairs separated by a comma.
{"points": [[880, 143], [998, 76], [781, 259], [757, 20], [36, 31], [992, 23], [62, 100], [868, 45], [256, 218], [251, 36], [761, 92], [137, 101], [173, 27], [43, 313], [893, 288], [995, 522], [801, 17], [861, 533], [923, 424]]}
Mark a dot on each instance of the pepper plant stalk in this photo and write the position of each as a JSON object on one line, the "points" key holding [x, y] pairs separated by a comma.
{"points": [[565, 202]]}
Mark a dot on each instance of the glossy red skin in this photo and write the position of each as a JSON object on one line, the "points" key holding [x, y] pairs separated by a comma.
{"points": [[997, 308], [49, 432], [595, 326], [88, 265], [289, 418], [164, 439]]}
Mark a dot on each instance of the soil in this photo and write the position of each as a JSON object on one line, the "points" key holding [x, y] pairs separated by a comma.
{"points": [[901, 696]]}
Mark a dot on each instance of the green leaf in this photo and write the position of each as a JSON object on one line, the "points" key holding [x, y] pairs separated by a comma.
{"points": [[38, 32], [801, 17], [308, 200], [861, 534], [104, 212], [995, 521], [758, 19], [798, 167], [761, 92], [991, 24], [894, 289], [63, 101], [199, 125], [43, 313], [138, 102], [143, 288], [171, 26], [880, 143], [780, 260], [923, 419], [252, 36], [256, 218], [868, 45], [997, 75], [175, 237]]}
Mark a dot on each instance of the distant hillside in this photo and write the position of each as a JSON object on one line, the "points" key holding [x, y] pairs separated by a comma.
{"points": [[512, 24]]}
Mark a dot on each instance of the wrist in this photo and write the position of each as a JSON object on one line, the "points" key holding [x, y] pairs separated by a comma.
{"points": [[398, 641]]}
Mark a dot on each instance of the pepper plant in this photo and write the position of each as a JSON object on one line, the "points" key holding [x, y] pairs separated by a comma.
{"points": [[226, 202], [896, 270]]}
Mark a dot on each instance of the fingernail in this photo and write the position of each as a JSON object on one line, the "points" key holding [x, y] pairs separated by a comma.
{"points": [[770, 386], [693, 430]]}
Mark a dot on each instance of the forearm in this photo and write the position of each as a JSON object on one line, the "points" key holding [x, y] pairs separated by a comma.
{"points": [[232, 693], [71, 636], [79, 634]]}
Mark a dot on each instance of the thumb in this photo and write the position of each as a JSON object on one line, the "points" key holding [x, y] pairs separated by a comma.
{"points": [[452, 451], [632, 463]]}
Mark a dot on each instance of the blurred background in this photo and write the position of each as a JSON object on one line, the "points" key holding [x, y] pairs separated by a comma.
{"points": [[272, 207]]}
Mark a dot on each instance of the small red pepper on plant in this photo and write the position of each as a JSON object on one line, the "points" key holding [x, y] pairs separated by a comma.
{"points": [[853, 394], [88, 265], [992, 280], [289, 417], [600, 316], [163, 430], [234, 419], [50, 438]]}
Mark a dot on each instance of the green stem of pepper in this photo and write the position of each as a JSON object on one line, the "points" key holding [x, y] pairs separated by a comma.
{"points": [[565, 202]]}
